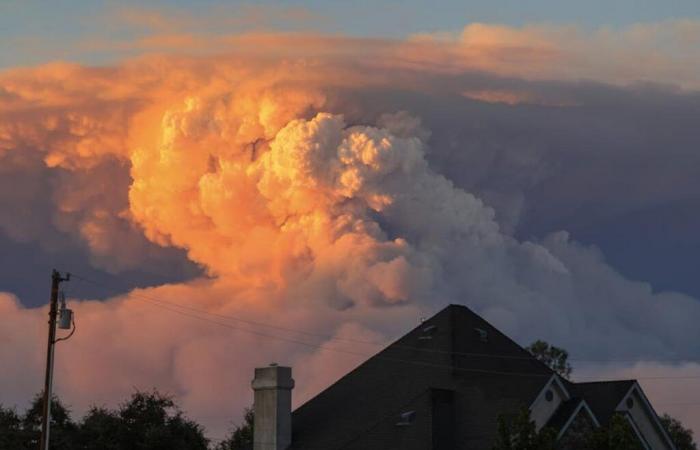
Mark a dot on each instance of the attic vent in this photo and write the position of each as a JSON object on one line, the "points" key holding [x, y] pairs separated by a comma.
{"points": [[428, 332], [406, 419], [483, 334]]}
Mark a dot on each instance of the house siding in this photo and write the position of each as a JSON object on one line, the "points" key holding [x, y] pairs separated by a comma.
{"points": [[645, 422]]}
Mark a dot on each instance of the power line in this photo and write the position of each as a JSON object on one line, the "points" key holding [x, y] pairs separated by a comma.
{"points": [[334, 349], [173, 308], [678, 404], [358, 341], [224, 316], [169, 307]]}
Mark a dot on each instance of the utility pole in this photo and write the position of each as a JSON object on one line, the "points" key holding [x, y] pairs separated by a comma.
{"points": [[56, 280]]}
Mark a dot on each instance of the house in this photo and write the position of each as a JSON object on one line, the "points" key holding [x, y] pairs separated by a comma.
{"points": [[442, 386]]}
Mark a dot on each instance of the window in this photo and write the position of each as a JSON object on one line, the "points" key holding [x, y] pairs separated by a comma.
{"points": [[406, 419], [428, 332], [483, 334], [549, 395]]}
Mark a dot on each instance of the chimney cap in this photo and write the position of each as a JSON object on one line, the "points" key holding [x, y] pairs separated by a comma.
{"points": [[273, 377]]}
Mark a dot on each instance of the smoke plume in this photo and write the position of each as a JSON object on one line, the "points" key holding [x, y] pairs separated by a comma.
{"points": [[315, 219]]}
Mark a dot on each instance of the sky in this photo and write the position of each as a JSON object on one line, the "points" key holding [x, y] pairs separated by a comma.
{"points": [[32, 31], [226, 179]]}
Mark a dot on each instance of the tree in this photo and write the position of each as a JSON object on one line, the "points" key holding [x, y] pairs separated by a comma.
{"points": [[242, 435], [519, 432], [63, 429], [101, 429], [578, 433], [681, 436], [616, 435], [12, 435], [554, 357], [152, 421], [148, 421]]}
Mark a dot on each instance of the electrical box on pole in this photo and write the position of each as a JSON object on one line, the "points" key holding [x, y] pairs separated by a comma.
{"points": [[65, 315]]}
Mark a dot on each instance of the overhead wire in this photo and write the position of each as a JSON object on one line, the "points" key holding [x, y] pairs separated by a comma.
{"points": [[357, 341], [322, 346], [225, 316], [188, 312]]}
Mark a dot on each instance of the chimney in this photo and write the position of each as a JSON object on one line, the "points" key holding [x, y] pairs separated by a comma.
{"points": [[273, 408]]}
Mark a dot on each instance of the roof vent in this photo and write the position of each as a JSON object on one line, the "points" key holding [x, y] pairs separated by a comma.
{"points": [[483, 334], [406, 419], [428, 332]]}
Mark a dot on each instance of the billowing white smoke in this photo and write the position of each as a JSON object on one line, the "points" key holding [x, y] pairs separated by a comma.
{"points": [[302, 222]]}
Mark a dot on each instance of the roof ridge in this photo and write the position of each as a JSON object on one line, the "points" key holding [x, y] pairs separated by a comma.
{"points": [[524, 353]]}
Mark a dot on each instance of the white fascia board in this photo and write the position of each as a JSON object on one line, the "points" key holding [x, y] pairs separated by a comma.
{"points": [[554, 379], [583, 405], [650, 410], [636, 430]]}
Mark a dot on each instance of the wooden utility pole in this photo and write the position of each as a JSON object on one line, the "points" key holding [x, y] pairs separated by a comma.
{"points": [[56, 280]]}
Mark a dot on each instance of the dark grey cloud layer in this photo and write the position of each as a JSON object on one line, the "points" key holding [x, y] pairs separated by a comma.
{"points": [[43, 210], [617, 167]]}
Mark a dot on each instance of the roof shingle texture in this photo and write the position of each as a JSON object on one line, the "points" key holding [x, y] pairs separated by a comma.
{"points": [[487, 376]]}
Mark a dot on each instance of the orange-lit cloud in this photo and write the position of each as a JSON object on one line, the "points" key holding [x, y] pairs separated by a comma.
{"points": [[302, 218]]}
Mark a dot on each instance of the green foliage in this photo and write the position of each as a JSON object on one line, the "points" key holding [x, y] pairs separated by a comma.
{"points": [[681, 436], [242, 435], [63, 429], [577, 435], [148, 421], [100, 430], [152, 421], [519, 432], [12, 434], [554, 357], [616, 435]]}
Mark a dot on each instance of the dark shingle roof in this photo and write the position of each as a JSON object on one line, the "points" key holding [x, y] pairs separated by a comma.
{"points": [[488, 377], [563, 413], [602, 396]]}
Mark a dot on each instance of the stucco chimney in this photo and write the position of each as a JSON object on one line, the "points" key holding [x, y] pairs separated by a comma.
{"points": [[273, 408]]}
